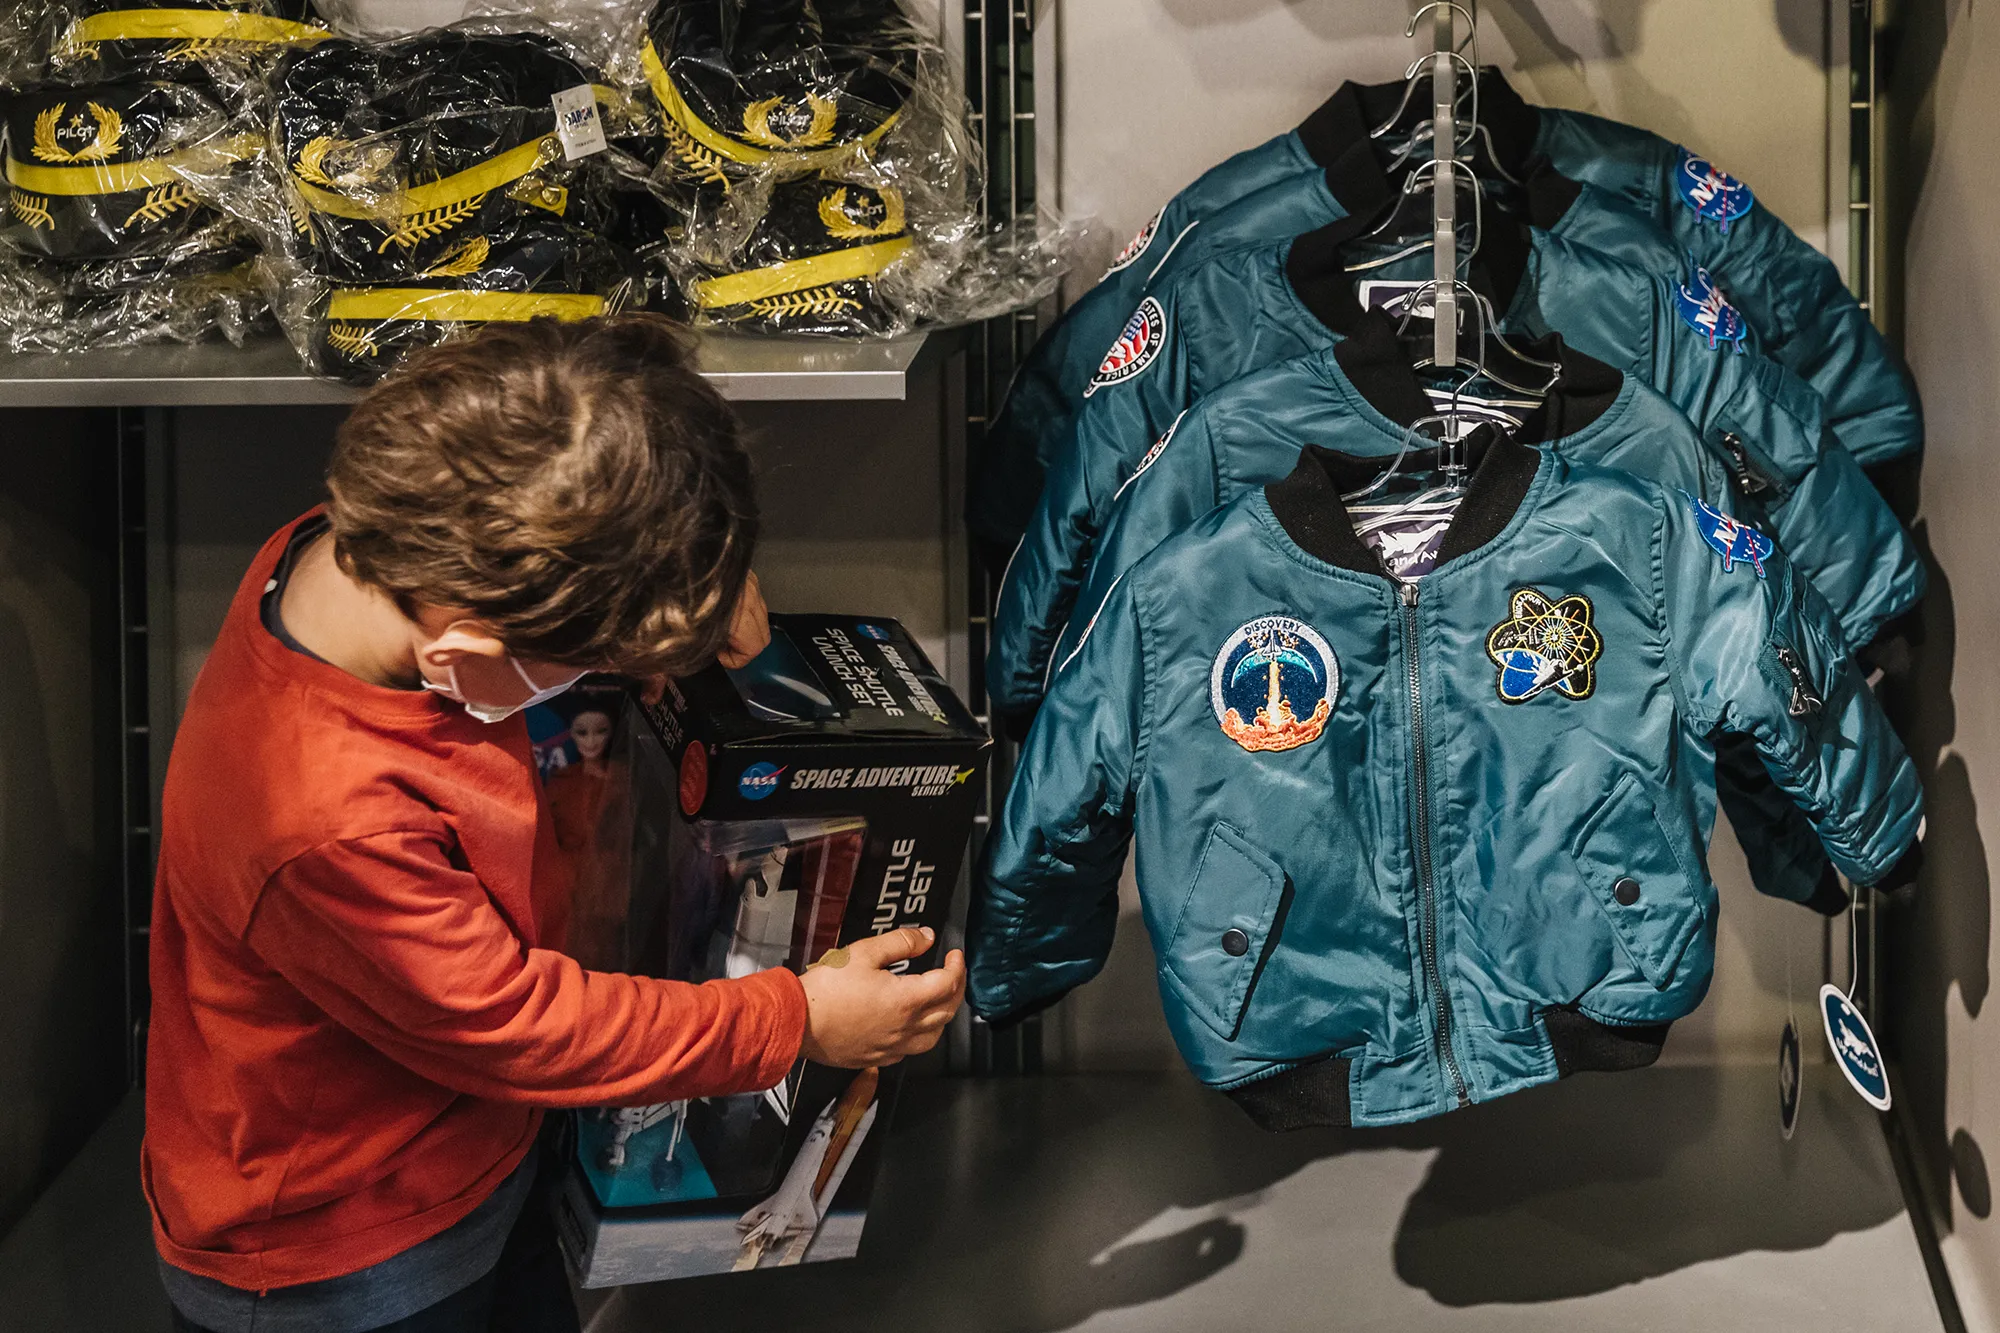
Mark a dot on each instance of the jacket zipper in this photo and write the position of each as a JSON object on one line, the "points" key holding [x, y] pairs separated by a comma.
{"points": [[1749, 478], [1805, 701], [1427, 925]]}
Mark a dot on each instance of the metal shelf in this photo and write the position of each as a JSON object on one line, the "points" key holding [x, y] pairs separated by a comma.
{"points": [[266, 372]]}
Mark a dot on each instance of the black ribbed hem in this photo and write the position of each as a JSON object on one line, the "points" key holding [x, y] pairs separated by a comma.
{"points": [[1582, 1044], [1308, 1096], [1829, 896]]}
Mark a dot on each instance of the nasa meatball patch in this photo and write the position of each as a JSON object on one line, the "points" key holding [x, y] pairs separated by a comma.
{"points": [[1140, 342]]}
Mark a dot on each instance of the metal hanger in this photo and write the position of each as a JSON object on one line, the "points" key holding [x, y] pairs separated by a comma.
{"points": [[1488, 333], [1412, 75], [1411, 186]]}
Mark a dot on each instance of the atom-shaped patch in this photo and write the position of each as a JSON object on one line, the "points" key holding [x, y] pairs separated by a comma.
{"points": [[1545, 645]]}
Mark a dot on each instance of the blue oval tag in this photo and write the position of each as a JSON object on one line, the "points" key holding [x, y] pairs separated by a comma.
{"points": [[1713, 194], [1854, 1048]]}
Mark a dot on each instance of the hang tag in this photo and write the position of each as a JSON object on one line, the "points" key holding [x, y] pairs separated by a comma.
{"points": [[1791, 1079], [577, 125], [1854, 1048], [1393, 296]]}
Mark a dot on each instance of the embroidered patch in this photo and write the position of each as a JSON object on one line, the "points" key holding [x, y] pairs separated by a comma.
{"points": [[1137, 245], [1714, 195], [1152, 455], [1279, 673], [1145, 333], [1545, 645], [1732, 540], [1707, 311]]}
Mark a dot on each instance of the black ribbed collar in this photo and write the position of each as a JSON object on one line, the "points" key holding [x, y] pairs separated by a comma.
{"points": [[1308, 506], [1377, 363]]}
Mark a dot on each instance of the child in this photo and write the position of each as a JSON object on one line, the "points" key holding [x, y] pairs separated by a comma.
{"points": [[360, 1009]]}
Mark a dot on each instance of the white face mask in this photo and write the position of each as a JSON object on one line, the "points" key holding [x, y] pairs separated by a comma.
{"points": [[500, 712]]}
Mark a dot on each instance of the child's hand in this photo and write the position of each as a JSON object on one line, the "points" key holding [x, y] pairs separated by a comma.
{"points": [[858, 1015], [749, 628]]}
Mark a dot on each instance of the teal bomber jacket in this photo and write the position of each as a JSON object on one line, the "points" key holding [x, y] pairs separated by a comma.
{"points": [[1406, 846]]}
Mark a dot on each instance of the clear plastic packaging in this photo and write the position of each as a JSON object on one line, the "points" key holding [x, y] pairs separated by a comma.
{"points": [[121, 169], [88, 40], [424, 185], [49, 307], [815, 174], [111, 231], [355, 332]]}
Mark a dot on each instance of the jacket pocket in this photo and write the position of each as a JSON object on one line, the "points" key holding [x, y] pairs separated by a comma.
{"points": [[1639, 880], [1225, 928]]}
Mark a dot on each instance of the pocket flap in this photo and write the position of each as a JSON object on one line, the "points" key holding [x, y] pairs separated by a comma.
{"points": [[1629, 863], [1218, 942]]}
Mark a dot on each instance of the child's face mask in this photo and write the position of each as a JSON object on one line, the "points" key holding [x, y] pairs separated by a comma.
{"points": [[499, 712]]}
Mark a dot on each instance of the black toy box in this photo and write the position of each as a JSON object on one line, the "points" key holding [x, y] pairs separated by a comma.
{"points": [[751, 819]]}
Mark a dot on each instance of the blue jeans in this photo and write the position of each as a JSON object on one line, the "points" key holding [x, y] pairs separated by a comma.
{"points": [[526, 1292]]}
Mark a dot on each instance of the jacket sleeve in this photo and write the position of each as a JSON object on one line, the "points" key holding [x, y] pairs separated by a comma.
{"points": [[1838, 529], [409, 953], [1812, 324], [1758, 653], [1046, 902], [1109, 436], [1769, 426], [1047, 388]]}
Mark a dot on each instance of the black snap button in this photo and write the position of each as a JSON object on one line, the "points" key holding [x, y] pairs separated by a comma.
{"points": [[1626, 891], [1235, 943]]}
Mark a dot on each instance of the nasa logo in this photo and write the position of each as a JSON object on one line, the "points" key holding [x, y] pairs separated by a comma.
{"points": [[1854, 1048], [1281, 675], [759, 780], [1732, 539], [1545, 645], [1137, 246], [875, 632], [1715, 196], [1704, 308], [1145, 333]]}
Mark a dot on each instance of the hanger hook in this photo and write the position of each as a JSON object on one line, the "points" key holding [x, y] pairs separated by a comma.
{"points": [[1471, 41]]}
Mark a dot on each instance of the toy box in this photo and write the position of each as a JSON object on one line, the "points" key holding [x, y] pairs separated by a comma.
{"points": [[752, 819]]}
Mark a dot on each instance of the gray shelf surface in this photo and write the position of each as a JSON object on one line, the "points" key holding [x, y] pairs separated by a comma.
{"points": [[1662, 1199], [266, 372]]}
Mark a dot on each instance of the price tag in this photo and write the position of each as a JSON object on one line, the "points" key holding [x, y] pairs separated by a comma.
{"points": [[578, 127]]}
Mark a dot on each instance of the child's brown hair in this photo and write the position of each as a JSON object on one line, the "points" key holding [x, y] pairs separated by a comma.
{"points": [[576, 486]]}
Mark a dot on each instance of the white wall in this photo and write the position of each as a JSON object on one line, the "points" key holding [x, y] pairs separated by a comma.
{"points": [[1155, 91], [1949, 182]]}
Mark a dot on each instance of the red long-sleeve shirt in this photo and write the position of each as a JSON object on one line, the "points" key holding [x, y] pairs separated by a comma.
{"points": [[358, 1006]]}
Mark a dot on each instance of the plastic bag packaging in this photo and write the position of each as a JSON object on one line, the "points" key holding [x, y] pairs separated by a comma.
{"points": [[428, 185], [601, 31], [121, 169], [355, 332], [111, 233], [393, 155], [88, 40], [816, 175], [52, 307]]}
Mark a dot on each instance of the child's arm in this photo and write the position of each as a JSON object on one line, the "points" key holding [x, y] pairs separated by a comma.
{"points": [[409, 953]]}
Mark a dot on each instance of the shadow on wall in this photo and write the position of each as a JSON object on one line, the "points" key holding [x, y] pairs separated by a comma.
{"points": [[1034, 1204], [1937, 946], [1938, 942]]}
